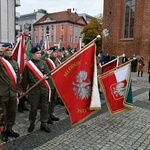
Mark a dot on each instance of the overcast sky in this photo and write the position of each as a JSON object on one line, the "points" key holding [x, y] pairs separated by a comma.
{"points": [[90, 7]]}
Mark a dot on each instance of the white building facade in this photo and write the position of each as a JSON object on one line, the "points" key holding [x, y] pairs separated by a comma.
{"points": [[26, 21], [8, 20]]}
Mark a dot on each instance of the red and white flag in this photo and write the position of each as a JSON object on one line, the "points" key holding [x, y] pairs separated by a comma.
{"points": [[76, 83], [19, 53], [115, 88], [110, 65], [79, 44]]}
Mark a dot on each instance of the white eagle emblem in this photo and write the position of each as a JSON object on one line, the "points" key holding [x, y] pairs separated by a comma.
{"points": [[82, 88], [119, 89]]}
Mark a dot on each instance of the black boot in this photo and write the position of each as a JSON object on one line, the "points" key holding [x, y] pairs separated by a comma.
{"points": [[50, 121], [12, 133], [20, 109], [138, 74], [21, 106], [45, 128], [141, 73], [31, 127], [53, 118], [4, 136], [25, 108]]}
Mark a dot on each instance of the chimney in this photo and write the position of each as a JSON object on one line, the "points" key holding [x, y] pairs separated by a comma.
{"points": [[69, 11]]}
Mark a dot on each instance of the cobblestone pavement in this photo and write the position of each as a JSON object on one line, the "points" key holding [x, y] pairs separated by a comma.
{"points": [[127, 131]]}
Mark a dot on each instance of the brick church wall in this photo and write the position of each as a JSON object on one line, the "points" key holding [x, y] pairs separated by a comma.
{"points": [[113, 20]]}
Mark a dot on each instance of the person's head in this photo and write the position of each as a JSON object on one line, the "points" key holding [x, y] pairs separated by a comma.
{"points": [[7, 49], [54, 53], [59, 53], [36, 53], [101, 52]]}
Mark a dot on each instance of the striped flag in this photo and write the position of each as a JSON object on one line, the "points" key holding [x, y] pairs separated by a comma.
{"points": [[110, 65], [19, 53], [116, 86]]}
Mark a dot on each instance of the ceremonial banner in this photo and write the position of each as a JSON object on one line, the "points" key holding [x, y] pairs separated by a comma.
{"points": [[116, 86], [75, 83], [110, 65], [19, 53]]}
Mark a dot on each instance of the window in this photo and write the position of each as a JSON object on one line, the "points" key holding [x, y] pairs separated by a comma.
{"points": [[52, 27], [70, 38], [76, 41], [129, 19], [35, 28], [62, 27], [70, 27], [42, 28], [62, 38], [52, 38], [36, 39]]}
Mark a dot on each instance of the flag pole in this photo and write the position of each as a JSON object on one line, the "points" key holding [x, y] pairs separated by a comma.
{"points": [[98, 37], [104, 33], [33, 86]]}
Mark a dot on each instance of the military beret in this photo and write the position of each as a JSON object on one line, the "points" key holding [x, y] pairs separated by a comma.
{"points": [[53, 48], [7, 45], [35, 49]]}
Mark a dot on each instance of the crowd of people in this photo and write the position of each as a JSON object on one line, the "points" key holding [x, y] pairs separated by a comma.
{"points": [[137, 63], [43, 96]]}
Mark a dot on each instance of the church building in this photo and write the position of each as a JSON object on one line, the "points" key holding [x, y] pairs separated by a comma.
{"points": [[128, 22]]}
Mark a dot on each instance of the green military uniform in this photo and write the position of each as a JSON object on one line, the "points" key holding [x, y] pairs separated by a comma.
{"points": [[54, 95], [38, 96], [8, 93]]}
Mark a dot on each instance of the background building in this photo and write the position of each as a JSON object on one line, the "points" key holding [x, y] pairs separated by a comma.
{"points": [[8, 16], [65, 26], [129, 24], [26, 21]]}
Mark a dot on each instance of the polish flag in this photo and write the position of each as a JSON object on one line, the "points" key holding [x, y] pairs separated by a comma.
{"points": [[110, 65], [19, 52], [116, 86]]}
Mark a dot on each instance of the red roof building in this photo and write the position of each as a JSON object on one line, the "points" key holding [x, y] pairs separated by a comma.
{"points": [[62, 26]]}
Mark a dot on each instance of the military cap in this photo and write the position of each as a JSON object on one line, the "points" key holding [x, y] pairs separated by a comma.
{"points": [[35, 49], [53, 48], [7, 45]]}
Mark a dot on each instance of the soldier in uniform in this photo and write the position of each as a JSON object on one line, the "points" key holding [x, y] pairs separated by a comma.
{"points": [[51, 59], [35, 70], [9, 81]]}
